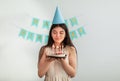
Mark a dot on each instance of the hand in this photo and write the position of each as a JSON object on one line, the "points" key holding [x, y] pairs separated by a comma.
{"points": [[50, 59], [61, 59]]}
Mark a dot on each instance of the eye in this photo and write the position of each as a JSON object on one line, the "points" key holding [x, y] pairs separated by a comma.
{"points": [[54, 32], [62, 32]]}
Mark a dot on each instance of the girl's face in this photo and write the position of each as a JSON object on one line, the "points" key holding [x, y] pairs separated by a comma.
{"points": [[58, 34]]}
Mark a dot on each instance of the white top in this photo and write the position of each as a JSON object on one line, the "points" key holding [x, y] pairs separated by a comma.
{"points": [[56, 71]]}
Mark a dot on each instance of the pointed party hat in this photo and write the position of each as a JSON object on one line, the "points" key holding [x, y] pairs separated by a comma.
{"points": [[58, 18]]}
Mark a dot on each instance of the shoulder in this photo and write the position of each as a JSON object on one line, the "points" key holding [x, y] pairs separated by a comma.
{"points": [[71, 48], [42, 51], [43, 48]]}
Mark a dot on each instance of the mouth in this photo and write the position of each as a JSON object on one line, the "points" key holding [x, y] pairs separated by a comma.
{"points": [[57, 38]]}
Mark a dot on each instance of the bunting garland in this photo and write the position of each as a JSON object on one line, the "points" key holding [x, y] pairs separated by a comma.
{"points": [[46, 24], [43, 38], [73, 21], [35, 22], [39, 38], [30, 36], [66, 22], [73, 35], [46, 39], [23, 33], [81, 31]]}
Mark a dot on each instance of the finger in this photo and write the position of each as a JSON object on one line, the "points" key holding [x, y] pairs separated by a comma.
{"points": [[58, 59], [51, 59], [48, 58]]}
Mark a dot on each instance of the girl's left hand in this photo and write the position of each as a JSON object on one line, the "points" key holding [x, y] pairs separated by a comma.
{"points": [[61, 59]]}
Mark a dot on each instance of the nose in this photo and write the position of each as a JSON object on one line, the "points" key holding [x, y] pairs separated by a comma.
{"points": [[57, 35]]}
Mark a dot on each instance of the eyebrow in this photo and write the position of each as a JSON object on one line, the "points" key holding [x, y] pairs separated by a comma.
{"points": [[60, 31]]}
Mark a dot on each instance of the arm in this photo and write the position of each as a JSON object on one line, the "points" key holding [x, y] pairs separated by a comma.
{"points": [[43, 63], [70, 68]]}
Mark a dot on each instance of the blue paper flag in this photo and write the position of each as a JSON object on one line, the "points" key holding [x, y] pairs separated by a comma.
{"points": [[66, 22], [73, 35], [39, 38], [30, 36], [73, 21], [35, 22], [46, 39], [23, 33], [46, 24], [81, 31]]}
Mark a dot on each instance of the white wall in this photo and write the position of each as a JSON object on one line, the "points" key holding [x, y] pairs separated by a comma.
{"points": [[98, 50]]}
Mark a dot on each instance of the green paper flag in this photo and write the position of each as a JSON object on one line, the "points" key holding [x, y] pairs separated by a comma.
{"points": [[73, 21], [30, 36], [39, 38], [66, 22], [35, 22], [73, 35], [23, 33], [46, 24], [81, 31], [46, 39]]}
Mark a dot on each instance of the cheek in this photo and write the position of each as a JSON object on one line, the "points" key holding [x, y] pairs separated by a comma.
{"points": [[53, 36], [63, 36]]}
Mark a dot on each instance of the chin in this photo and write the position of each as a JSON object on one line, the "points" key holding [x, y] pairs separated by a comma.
{"points": [[58, 41]]}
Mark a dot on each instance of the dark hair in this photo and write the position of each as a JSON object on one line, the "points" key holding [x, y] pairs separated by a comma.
{"points": [[66, 41]]}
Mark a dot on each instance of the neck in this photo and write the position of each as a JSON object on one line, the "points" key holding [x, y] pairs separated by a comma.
{"points": [[57, 44]]}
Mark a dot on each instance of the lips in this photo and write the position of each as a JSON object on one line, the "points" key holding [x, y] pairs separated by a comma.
{"points": [[57, 38]]}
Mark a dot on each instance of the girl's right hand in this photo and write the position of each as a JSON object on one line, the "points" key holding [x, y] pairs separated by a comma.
{"points": [[50, 59]]}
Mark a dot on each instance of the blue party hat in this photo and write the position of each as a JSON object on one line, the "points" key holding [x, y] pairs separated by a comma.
{"points": [[58, 18]]}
